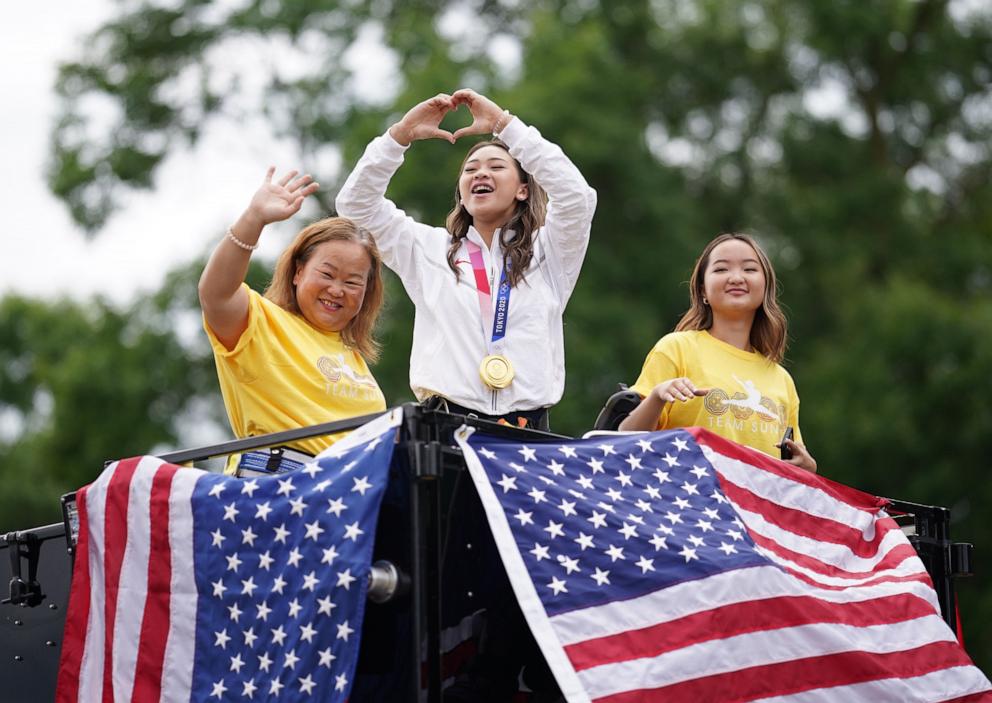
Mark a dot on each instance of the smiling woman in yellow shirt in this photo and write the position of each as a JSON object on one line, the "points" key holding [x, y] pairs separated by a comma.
{"points": [[719, 370], [297, 355]]}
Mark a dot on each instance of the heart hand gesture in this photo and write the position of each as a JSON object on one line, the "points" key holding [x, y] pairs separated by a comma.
{"points": [[423, 120]]}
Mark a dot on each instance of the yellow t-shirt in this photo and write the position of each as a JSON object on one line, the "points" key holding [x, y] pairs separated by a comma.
{"points": [[284, 374], [751, 399]]}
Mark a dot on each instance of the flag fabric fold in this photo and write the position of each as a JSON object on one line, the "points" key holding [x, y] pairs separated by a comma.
{"points": [[679, 566], [193, 586]]}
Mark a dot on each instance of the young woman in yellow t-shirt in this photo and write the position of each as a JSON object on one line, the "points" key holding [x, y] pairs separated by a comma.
{"points": [[297, 355], [720, 368]]}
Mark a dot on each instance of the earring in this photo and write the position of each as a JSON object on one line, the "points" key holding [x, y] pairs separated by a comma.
{"points": [[705, 301]]}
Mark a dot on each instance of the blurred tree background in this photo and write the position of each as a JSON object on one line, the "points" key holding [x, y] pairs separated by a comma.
{"points": [[851, 137]]}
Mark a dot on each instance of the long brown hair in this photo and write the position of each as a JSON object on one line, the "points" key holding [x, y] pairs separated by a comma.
{"points": [[769, 331], [359, 332], [527, 218]]}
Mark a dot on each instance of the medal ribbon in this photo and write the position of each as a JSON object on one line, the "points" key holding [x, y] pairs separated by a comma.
{"points": [[501, 315]]}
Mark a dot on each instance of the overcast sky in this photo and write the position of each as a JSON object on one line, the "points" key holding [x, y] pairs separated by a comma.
{"points": [[196, 193]]}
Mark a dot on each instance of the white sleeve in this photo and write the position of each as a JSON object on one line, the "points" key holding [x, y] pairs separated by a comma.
{"points": [[400, 238], [571, 201]]}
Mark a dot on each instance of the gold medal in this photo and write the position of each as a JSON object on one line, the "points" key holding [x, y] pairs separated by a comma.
{"points": [[496, 371]]}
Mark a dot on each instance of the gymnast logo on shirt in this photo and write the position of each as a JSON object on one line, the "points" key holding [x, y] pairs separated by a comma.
{"points": [[343, 380], [742, 404]]}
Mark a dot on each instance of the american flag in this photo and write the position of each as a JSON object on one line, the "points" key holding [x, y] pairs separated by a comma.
{"points": [[191, 586], [679, 566]]}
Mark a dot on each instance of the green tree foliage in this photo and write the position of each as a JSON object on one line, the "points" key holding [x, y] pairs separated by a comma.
{"points": [[852, 137], [82, 383]]}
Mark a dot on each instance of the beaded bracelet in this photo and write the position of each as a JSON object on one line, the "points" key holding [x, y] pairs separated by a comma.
{"points": [[503, 120], [244, 245]]}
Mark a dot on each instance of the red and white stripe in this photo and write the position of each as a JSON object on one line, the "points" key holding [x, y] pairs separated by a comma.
{"points": [[135, 523]]}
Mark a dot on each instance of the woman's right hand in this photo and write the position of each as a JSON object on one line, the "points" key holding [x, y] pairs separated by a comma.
{"points": [[280, 200], [677, 389], [645, 415], [423, 120]]}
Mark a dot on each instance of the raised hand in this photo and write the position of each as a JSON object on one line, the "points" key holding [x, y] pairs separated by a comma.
{"points": [[485, 113], [423, 120], [280, 200]]}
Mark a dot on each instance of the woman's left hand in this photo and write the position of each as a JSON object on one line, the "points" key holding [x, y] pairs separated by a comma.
{"points": [[485, 113], [279, 200], [800, 455]]}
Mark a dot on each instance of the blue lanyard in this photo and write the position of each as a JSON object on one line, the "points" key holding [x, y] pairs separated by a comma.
{"points": [[502, 314]]}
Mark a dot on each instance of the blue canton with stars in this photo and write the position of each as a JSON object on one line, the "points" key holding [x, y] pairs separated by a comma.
{"points": [[281, 568], [614, 517]]}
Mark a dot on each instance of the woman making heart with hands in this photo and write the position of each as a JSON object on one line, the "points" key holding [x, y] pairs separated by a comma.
{"points": [[490, 287]]}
